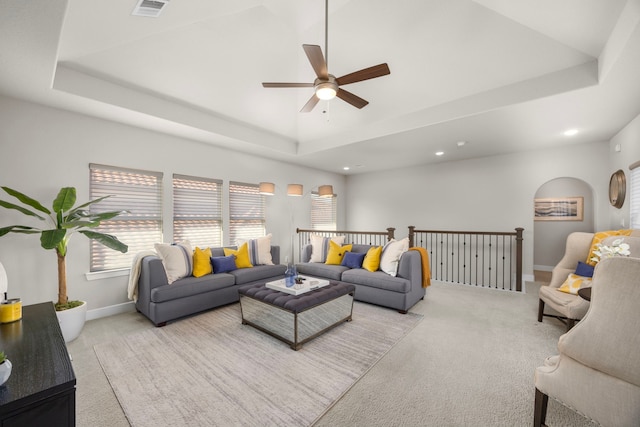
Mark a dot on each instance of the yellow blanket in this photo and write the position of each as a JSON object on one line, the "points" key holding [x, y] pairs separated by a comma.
{"points": [[426, 271], [599, 237]]}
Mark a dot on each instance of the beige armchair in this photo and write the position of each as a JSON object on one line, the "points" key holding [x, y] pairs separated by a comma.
{"points": [[597, 372], [570, 308]]}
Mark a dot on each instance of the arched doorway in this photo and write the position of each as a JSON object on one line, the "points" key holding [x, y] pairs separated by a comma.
{"points": [[550, 237]]}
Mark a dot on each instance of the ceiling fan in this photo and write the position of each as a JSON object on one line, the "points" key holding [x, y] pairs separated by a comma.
{"points": [[327, 86]]}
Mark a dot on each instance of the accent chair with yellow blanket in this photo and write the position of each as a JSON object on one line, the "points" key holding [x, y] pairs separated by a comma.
{"points": [[570, 307], [597, 370]]}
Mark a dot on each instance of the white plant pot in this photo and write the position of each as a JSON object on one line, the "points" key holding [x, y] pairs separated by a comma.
{"points": [[72, 321], [5, 371]]}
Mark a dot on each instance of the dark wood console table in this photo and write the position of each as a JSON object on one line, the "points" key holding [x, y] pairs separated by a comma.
{"points": [[42, 388]]}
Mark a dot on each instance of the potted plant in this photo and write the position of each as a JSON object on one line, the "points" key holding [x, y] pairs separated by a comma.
{"points": [[5, 368], [63, 220]]}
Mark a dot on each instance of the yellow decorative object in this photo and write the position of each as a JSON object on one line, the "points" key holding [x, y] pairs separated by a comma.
{"points": [[10, 310], [336, 253], [242, 256], [599, 237], [372, 259], [202, 262], [574, 283]]}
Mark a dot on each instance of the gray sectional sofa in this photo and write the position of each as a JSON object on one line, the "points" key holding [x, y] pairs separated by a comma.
{"points": [[400, 293], [162, 302]]}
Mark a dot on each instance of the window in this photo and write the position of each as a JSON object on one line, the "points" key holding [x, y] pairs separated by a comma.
{"points": [[197, 211], [246, 212], [634, 195], [139, 193], [323, 212]]}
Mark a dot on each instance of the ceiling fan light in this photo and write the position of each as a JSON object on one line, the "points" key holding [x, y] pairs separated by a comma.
{"points": [[326, 91]]}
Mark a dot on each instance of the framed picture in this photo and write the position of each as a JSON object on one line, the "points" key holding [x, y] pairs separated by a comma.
{"points": [[559, 209]]}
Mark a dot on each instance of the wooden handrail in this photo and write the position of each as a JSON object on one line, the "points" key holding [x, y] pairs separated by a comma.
{"points": [[390, 233]]}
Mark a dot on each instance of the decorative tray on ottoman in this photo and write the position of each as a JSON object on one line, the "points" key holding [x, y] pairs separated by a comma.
{"points": [[308, 284]]}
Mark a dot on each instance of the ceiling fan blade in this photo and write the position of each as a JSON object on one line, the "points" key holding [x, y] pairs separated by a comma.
{"points": [[314, 53], [365, 74], [310, 104], [352, 99], [267, 84]]}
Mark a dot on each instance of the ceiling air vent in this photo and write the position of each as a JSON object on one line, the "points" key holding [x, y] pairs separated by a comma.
{"points": [[149, 8]]}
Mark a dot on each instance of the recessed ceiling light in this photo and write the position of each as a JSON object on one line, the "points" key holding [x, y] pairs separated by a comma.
{"points": [[571, 132], [346, 168], [439, 153], [461, 143]]}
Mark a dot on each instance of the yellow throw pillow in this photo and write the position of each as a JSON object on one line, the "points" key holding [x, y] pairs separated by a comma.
{"points": [[336, 253], [372, 259], [574, 283], [202, 262], [599, 237], [242, 256]]}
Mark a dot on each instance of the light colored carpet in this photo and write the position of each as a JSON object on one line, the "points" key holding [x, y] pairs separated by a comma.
{"points": [[469, 363], [212, 370]]}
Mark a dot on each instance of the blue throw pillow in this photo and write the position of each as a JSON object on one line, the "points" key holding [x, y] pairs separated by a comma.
{"points": [[223, 264], [353, 260], [584, 270]]}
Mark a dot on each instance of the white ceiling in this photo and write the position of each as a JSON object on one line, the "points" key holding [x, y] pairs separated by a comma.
{"points": [[503, 75]]}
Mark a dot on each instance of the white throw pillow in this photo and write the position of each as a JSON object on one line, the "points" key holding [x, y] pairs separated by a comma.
{"points": [[320, 246], [391, 254], [177, 259], [259, 250]]}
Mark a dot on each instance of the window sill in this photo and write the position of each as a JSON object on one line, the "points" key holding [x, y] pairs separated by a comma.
{"points": [[99, 275]]}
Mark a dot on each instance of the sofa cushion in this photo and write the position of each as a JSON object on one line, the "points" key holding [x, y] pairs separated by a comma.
{"points": [[202, 262], [314, 269], [391, 254], [336, 253], [259, 250], [223, 264], [353, 260], [371, 260], [320, 246], [259, 272], [177, 259], [242, 256], [376, 279], [190, 286], [360, 248]]}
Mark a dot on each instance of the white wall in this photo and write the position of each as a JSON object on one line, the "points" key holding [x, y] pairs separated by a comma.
{"points": [[628, 139], [486, 194], [43, 149]]}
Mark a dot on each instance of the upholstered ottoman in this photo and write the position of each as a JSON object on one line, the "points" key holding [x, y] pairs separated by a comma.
{"points": [[296, 319]]}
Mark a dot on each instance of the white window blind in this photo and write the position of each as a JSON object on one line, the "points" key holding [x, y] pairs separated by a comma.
{"points": [[634, 196], [246, 212], [197, 211], [139, 193], [323, 212]]}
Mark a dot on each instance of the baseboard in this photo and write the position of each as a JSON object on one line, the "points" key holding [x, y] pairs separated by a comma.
{"points": [[528, 278], [97, 313], [543, 267]]}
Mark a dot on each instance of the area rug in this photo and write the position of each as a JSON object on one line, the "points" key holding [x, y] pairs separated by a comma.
{"points": [[211, 370]]}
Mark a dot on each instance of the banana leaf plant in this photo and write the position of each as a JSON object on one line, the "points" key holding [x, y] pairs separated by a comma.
{"points": [[62, 221]]}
